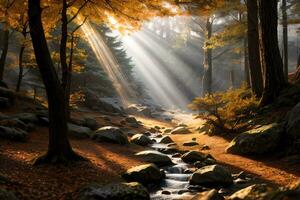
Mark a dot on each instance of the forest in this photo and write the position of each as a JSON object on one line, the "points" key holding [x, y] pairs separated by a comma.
{"points": [[149, 100]]}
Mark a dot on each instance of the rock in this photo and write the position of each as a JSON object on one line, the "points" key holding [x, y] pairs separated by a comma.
{"points": [[132, 121], [14, 134], [194, 156], [159, 136], [154, 157], [147, 133], [194, 139], [135, 109], [293, 123], [91, 123], [165, 192], [169, 150], [146, 112], [114, 191], [212, 175], [144, 174], [152, 130], [253, 192], [27, 118], [7, 195], [14, 123], [167, 130], [205, 147], [190, 144], [180, 130], [206, 162], [166, 140], [176, 155], [256, 141], [210, 195], [110, 134], [79, 132], [141, 140]]}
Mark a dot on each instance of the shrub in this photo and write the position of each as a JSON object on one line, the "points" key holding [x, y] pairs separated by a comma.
{"points": [[225, 110]]}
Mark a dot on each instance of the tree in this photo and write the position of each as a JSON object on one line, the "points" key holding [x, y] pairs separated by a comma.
{"points": [[253, 48], [6, 5], [59, 149], [274, 80], [285, 54]]}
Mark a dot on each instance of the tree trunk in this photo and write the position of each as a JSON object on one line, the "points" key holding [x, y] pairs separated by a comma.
{"points": [[246, 63], [20, 68], [254, 49], [232, 78], [66, 73], [285, 54], [4, 51], [274, 80], [207, 76], [59, 148]]}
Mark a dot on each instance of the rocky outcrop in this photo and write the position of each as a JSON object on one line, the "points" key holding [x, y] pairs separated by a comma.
{"points": [[114, 191], [257, 141], [79, 132], [110, 134]]}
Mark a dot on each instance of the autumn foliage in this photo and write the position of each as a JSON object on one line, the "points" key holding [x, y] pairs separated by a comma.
{"points": [[223, 111]]}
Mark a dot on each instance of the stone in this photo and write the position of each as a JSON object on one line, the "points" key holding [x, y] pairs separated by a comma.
{"points": [[152, 130], [190, 144], [14, 134], [27, 118], [209, 195], [180, 130], [205, 147], [114, 191], [155, 157], [147, 133], [212, 175], [168, 130], [144, 174], [261, 140], [91, 123], [79, 132], [110, 134], [165, 192], [253, 192], [141, 140], [206, 162], [166, 140], [194, 156]]}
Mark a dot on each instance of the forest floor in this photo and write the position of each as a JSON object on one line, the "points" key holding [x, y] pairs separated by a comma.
{"points": [[108, 161]]}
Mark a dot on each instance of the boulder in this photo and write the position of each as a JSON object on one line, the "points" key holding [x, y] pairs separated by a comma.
{"points": [[166, 140], [14, 134], [206, 162], [144, 174], [253, 192], [114, 191], [209, 195], [7, 195], [180, 130], [27, 118], [141, 110], [293, 123], [155, 157], [110, 134], [141, 140], [257, 141], [79, 132], [91, 123], [190, 144], [194, 156], [14, 123], [212, 175], [131, 120]]}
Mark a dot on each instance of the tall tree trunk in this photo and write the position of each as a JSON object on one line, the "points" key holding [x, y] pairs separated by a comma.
{"points": [[298, 62], [246, 63], [207, 76], [232, 78], [66, 73], [274, 80], [256, 76], [4, 51], [20, 68], [285, 54], [59, 148]]}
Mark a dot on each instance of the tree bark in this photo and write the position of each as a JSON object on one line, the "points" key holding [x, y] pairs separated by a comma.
{"points": [[255, 68], [207, 76], [66, 73], [246, 63], [59, 148], [232, 78], [285, 54], [274, 80], [4, 51], [20, 68]]}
